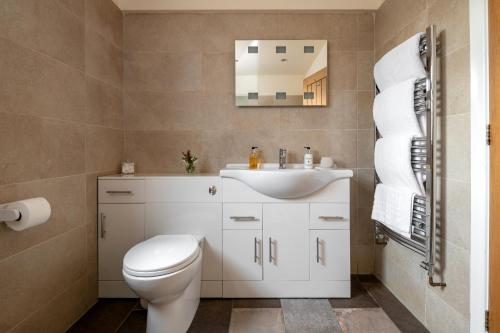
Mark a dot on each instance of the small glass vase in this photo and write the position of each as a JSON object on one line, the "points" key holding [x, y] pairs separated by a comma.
{"points": [[190, 168]]}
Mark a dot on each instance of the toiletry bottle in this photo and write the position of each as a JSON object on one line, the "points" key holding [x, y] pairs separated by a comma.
{"points": [[253, 159], [308, 158]]}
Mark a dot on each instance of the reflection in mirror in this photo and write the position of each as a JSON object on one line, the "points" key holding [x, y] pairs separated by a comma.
{"points": [[281, 72]]}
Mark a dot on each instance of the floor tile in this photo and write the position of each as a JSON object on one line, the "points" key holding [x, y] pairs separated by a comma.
{"points": [[256, 303], [135, 323], [372, 320], [106, 316], [366, 278], [398, 313], [255, 320], [213, 316], [359, 298], [309, 315]]}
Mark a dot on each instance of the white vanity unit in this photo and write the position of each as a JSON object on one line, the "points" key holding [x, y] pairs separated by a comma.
{"points": [[255, 245], [134, 208]]}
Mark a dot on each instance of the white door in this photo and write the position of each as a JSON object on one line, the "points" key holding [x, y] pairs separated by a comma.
{"points": [[120, 227], [330, 259], [286, 242], [242, 255]]}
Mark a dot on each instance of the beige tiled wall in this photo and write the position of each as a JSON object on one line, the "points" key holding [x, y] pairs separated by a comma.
{"points": [[179, 94], [441, 310], [61, 124]]}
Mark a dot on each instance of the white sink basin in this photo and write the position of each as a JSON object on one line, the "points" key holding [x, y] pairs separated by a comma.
{"points": [[290, 183]]}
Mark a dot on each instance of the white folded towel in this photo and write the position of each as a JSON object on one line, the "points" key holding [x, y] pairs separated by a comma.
{"points": [[393, 163], [394, 208], [399, 64], [394, 110]]}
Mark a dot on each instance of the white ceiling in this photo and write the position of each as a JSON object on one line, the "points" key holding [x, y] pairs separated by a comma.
{"points": [[172, 5]]}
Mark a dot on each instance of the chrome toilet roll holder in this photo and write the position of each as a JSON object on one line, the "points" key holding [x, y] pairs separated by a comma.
{"points": [[9, 215]]}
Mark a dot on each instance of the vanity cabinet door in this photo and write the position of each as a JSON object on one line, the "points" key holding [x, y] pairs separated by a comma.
{"points": [[120, 227], [286, 242], [329, 255], [242, 255]]}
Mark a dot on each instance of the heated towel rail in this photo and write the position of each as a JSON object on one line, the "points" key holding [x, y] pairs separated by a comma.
{"points": [[423, 160]]}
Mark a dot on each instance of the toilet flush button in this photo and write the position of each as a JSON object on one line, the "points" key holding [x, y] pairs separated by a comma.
{"points": [[212, 190]]}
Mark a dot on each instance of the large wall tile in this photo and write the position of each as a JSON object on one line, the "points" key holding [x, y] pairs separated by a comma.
{"points": [[340, 114], [455, 82], [104, 104], [453, 147], [104, 149], [343, 148], [105, 18], [441, 317], [103, 60], [172, 33], [394, 15], [365, 109], [365, 148], [37, 85], [365, 187], [221, 30], [218, 77], [366, 26], [77, 7], [452, 265], [365, 70], [66, 197], [34, 148], [342, 72], [146, 110], [160, 151], [40, 273], [307, 26], [45, 26], [70, 304], [162, 72], [450, 18], [454, 209]]}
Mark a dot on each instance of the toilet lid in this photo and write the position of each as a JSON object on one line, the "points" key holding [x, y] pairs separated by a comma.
{"points": [[161, 255]]}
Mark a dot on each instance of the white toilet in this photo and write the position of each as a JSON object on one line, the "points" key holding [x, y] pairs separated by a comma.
{"points": [[165, 271]]}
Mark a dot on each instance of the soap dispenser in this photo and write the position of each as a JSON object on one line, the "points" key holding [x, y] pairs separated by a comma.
{"points": [[253, 159], [308, 158]]}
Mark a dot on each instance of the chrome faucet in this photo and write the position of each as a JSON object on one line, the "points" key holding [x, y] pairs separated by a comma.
{"points": [[282, 158]]}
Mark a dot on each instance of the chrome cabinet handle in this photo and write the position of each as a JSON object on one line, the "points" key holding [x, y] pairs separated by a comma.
{"points": [[243, 218], [255, 249], [270, 250], [120, 192], [331, 218], [317, 249], [212, 190], [103, 220]]}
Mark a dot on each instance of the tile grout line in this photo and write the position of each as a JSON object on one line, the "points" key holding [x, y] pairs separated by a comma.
{"points": [[127, 316]]}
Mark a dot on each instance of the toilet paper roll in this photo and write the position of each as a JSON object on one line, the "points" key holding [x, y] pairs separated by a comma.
{"points": [[33, 211]]}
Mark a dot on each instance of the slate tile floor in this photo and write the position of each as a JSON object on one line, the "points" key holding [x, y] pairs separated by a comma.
{"points": [[372, 308]]}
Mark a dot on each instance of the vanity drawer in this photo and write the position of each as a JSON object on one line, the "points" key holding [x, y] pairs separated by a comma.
{"points": [[121, 191], [242, 216], [329, 216]]}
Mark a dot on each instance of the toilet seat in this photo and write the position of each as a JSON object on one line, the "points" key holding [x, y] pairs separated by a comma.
{"points": [[161, 255]]}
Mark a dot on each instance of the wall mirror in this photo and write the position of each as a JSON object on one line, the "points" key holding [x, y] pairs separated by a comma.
{"points": [[281, 72]]}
